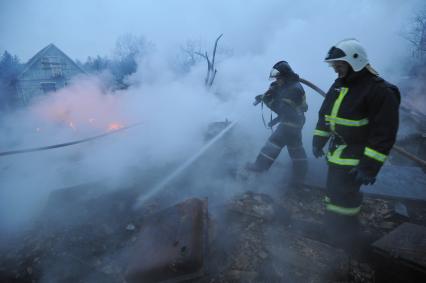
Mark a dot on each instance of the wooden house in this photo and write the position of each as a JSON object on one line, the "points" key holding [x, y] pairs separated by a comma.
{"points": [[49, 70]]}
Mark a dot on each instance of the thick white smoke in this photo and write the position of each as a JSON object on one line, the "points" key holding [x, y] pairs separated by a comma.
{"points": [[174, 109]]}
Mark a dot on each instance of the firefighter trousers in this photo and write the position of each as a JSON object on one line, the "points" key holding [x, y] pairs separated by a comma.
{"points": [[284, 136], [342, 204], [343, 194]]}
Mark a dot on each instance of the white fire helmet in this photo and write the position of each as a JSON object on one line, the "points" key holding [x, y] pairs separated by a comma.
{"points": [[350, 51]]}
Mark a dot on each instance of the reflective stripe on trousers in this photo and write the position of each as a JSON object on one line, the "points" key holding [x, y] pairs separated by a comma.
{"points": [[349, 211], [270, 150], [342, 191], [297, 153]]}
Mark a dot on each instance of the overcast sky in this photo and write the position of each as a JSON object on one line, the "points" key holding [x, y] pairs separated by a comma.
{"points": [[89, 27]]}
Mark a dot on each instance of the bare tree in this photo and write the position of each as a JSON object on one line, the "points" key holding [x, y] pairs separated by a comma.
{"points": [[128, 51], [211, 69], [417, 35], [132, 45], [188, 56]]}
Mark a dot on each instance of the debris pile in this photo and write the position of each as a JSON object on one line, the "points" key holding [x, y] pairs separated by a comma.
{"points": [[87, 236], [77, 237], [261, 247]]}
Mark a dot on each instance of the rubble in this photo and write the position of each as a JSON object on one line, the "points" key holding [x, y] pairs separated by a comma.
{"points": [[253, 238], [251, 204], [85, 247], [264, 249], [304, 204], [361, 272]]}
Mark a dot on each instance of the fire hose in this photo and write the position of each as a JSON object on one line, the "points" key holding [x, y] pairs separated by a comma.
{"points": [[4, 153], [398, 149]]}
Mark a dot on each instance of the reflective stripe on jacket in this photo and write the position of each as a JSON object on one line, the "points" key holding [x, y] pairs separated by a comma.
{"points": [[360, 112]]}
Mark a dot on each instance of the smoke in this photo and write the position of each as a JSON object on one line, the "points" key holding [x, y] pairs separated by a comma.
{"points": [[172, 115], [173, 109]]}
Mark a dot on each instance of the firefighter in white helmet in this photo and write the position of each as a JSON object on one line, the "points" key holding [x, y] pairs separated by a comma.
{"points": [[359, 119]]}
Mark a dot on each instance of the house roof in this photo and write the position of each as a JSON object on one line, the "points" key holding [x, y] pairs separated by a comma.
{"points": [[41, 53]]}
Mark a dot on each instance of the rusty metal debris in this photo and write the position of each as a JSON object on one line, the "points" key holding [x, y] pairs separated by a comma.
{"points": [[172, 245]]}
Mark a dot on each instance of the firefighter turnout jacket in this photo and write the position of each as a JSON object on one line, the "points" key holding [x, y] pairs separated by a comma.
{"points": [[360, 116], [286, 98]]}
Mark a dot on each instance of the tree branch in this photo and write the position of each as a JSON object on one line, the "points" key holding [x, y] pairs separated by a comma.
{"points": [[214, 49]]}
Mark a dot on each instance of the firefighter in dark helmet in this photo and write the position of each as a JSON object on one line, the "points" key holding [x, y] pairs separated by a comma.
{"points": [[359, 119], [286, 98]]}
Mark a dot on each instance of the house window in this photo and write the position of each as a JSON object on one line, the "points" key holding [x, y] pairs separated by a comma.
{"points": [[56, 71], [53, 63], [48, 87]]}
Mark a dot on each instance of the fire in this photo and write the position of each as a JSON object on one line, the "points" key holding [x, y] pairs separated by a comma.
{"points": [[114, 126]]}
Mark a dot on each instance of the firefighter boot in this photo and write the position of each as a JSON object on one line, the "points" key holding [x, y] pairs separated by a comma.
{"points": [[341, 230]]}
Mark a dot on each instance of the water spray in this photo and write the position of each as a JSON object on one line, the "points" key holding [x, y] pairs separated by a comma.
{"points": [[160, 186]]}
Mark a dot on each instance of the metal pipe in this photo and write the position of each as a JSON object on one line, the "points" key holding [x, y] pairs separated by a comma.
{"points": [[410, 156]]}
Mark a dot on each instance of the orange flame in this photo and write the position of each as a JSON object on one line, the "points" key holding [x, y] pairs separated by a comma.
{"points": [[114, 126]]}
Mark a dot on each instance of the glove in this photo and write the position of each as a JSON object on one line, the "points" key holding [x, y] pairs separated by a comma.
{"points": [[317, 152], [363, 177], [258, 99]]}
